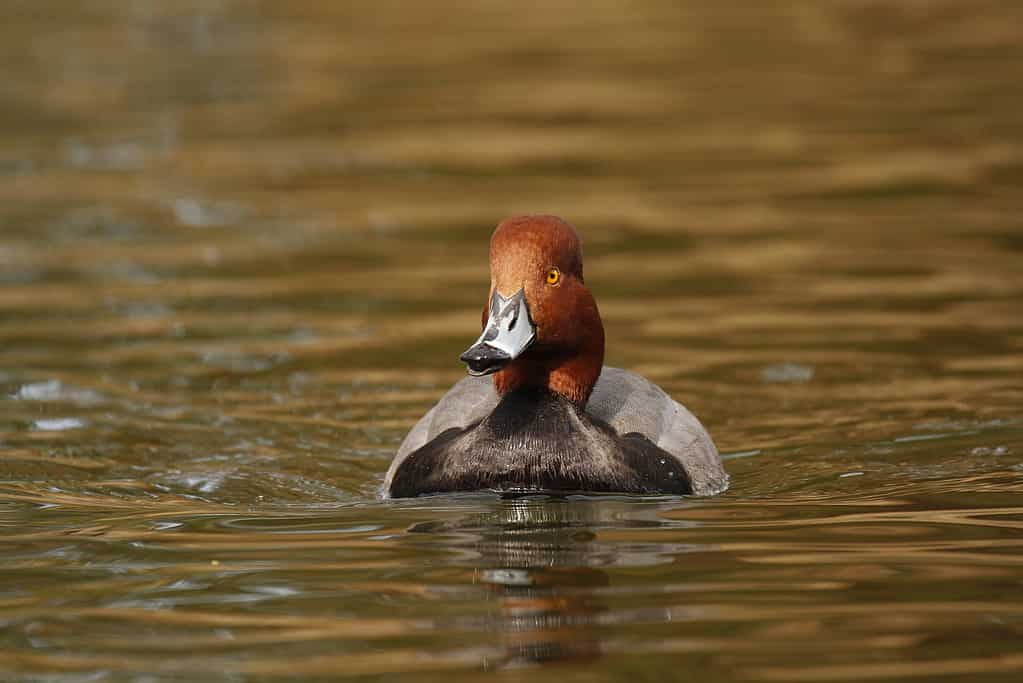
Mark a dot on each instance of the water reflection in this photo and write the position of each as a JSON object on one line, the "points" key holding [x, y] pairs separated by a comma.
{"points": [[541, 560], [218, 220], [545, 616]]}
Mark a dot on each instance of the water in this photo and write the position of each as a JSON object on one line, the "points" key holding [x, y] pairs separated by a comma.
{"points": [[242, 244]]}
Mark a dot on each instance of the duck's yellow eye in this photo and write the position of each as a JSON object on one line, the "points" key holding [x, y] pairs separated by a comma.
{"points": [[553, 276]]}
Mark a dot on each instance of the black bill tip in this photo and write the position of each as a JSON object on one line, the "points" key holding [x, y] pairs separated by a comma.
{"points": [[483, 359]]}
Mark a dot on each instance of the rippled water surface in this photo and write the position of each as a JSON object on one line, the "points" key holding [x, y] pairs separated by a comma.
{"points": [[242, 244]]}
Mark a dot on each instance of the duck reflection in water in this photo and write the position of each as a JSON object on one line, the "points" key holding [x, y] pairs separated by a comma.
{"points": [[542, 560]]}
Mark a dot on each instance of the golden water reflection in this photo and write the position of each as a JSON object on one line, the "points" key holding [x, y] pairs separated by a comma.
{"points": [[242, 244], [502, 584]]}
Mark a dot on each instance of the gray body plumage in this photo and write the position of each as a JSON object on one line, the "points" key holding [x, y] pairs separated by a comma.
{"points": [[623, 400]]}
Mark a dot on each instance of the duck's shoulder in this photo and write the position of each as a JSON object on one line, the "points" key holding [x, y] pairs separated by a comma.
{"points": [[467, 402], [630, 403]]}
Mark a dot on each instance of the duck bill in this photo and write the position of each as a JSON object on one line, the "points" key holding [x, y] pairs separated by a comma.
{"points": [[508, 333]]}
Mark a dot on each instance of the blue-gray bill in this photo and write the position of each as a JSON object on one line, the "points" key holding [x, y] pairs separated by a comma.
{"points": [[508, 333]]}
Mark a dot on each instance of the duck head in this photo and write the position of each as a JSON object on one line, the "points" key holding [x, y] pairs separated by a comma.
{"points": [[541, 327]]}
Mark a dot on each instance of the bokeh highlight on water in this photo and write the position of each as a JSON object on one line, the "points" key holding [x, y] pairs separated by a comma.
{"points": [[242, 244]]}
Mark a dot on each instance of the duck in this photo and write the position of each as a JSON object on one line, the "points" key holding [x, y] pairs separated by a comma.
{"points": [[539, 411]]}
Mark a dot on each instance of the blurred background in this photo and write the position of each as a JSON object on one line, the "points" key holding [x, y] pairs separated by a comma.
{"points": [[243, 242]]}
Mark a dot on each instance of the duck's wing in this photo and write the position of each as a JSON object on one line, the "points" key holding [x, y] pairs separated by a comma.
{"points": [[467, 402], [630, 403]]}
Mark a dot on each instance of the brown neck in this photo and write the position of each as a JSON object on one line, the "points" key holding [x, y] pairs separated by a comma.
{"points": [[571, 372]]}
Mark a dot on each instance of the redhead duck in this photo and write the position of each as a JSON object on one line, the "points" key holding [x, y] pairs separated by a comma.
{"points": [[553, 418]]}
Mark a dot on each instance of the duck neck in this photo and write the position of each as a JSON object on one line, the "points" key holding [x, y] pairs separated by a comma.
{"points": [[529, 409], [569, 370]]}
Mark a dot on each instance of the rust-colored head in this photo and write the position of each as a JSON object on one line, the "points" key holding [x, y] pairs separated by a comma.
{"points": [[538, 259]]}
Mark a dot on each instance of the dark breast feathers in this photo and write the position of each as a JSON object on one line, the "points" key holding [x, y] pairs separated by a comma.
{"points": [[535, 440]]}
